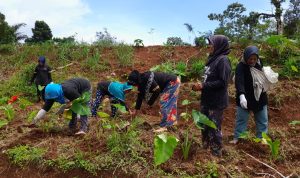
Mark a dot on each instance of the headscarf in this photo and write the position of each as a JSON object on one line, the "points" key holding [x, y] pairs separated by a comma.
{"points": [[42, 59], [54, 92], [134, 78], [117, 89], [248, 52], [221, 47]]}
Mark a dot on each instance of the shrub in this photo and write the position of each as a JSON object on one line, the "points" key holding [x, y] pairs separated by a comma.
{"points": [[197, 68], [124, 54], [291, 67], [138, 43], [7, 48]]}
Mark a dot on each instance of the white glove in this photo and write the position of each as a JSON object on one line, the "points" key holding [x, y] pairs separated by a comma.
{"points": [[40, 115], [243, 101]]}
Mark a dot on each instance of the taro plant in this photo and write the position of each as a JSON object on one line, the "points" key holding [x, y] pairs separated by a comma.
{"points": [[164, 146], [80, 106], [248, 136], [185, 114], [200, 119], [274, 146], [186, 145]]}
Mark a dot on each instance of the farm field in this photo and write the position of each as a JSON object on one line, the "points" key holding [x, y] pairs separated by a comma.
{"points": [[124, 146]]}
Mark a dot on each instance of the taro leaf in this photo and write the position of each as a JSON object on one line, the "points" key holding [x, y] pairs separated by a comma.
{"points": [[200, 118], [245, 135], [120, 108], [40, 87], [103, 115], [294, 123], [3, 122], [67, 115], [185, 102], [274, 146], [31, 116], [80, 105], [164, 146]]}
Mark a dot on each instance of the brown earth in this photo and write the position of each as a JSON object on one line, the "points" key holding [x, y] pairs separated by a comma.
{"points": [[283, 108]]}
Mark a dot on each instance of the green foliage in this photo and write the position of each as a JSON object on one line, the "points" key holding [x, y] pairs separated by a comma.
{"points": [[105, 39], [274, 146], [186, 145], [120, 108], [4, 100], [7, 49], [6, 32], [8, 111], [124, 54], [92, 62], [103, 115], [201, 119], [181, 68], [24, 154], [211, 170], [294, 123], [138, 43], [164, 146], [3, 122], [31, 116], [279, 49], [175, 41], [171, 68], [23, 103], [41, 33], [185, 114], [291, 67], [197, 68], [80, 105]]}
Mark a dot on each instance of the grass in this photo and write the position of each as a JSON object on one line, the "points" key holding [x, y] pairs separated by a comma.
{"points": [[124, 54]]}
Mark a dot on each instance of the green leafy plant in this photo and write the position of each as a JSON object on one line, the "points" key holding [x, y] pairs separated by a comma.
{"points": [[24, 103], [138, 43], [31, 116], [186, 145], [274, 145], [120, 108], [185, 114], [294, 123], [3, 100], [248, 136], [124, 54], [212, 170], [9, 112], [3, 122], [164, 146], [24, 154], [197, 68], [200, 118], [173, 68], [80, 106]]}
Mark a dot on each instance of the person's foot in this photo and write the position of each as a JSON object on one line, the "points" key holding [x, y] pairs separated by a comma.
{"points": [[162, 129], [80, 133], [234, 141]]}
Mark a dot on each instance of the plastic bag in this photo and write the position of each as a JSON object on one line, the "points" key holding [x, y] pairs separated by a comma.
{"points": [[270, 74]]}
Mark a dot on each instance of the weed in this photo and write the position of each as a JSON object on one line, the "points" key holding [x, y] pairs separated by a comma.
{"points": [[124, 54], [186, 145], [24, 154], [274, 146], [197, 68], [211, 170]]}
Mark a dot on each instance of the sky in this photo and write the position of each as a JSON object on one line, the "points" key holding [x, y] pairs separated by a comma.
{"points": [[153, 21]]}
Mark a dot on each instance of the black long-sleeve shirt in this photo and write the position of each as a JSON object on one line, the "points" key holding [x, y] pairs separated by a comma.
{"points": [[214, 92], [42, 75], [244, 85], [73, 89], [160, 80]]}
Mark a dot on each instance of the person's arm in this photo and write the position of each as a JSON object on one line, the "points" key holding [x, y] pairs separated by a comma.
{"points": [[240, 80], [41, 114], [34, 74], [155, 93], [224, 75], [139, 101]]}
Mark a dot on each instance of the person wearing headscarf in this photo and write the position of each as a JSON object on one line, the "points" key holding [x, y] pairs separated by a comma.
{"points": [[65, 93], [249, 95], [41, 77], [115, 91], [150, 86], [214, 97]]}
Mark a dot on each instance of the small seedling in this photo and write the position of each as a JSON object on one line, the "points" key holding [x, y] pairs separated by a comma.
{"points": [[185, 114], [186, 145], [274, 146], [294, 123]]}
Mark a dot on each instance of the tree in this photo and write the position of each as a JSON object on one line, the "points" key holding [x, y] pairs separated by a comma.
{"points": [[175, 41], [69, 39], [41, 32], [6, 32], [292, 19], [231, 21], [18, 35], [105, 38]]}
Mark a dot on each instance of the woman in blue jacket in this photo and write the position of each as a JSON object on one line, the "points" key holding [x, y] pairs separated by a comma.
{"points": [[214, 97]]}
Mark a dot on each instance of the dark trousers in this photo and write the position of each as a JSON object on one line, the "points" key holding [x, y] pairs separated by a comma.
{"points": [[83, 122], [212, 137]]}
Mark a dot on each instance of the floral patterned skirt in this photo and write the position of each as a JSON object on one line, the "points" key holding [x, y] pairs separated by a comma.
{"points": [[168, 103]]}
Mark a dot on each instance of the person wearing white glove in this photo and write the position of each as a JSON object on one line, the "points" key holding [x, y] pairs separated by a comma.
{"points": [[245, 95]]}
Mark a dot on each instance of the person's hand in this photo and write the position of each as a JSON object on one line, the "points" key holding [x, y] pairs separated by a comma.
{"points": [[197, 87], [243, 101], [130, 112]]}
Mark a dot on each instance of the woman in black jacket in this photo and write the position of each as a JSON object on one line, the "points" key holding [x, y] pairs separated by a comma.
{"points": [[150, 85], [65, 93], [246, 99], [214, 97]]}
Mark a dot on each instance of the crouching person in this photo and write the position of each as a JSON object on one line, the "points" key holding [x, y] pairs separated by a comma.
{"points": [[250, 94], [150, 86], [115, 91], [65, 93]]}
